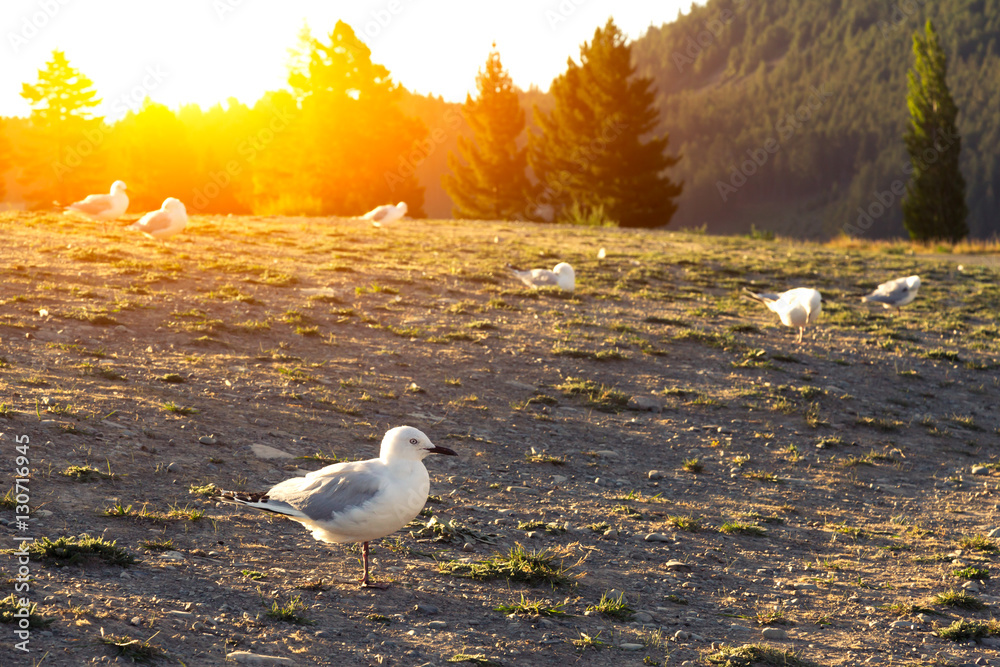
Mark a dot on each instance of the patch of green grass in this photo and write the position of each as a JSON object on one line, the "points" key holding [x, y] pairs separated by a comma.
{"points": [[319, 457], [289, 612], [170, 406], [158, 545], [939, 353], [762, 476], [73, 550], [598, 396], [186, 512], [550, 528], [965, 630], [971, 572], [253, 575], [172, 378], [105, 372], [474, 658], [450, 531], [87, 474], [375, 288], [9, 606], [208, 490], [977, 543], [959, 599], [531, 567], [542, 457], [534, 608], [883, 424], [134, 650], [613, 607], [599, 527], [741, 528], [685, 523], [693, 466], [757, 655], [379, 618], [587, 641]]}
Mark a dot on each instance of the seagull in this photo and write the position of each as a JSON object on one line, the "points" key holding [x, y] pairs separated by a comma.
{"points": [[355, 501], [169, 221], [797, 307], [102, 208], [386, 214], [895, 293], [561, 276]]}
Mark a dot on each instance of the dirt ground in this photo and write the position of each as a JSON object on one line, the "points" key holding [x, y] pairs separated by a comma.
{"points": [[652, 436]]}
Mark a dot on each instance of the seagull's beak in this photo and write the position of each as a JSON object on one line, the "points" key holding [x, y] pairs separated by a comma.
{"points": [[437, 449]]}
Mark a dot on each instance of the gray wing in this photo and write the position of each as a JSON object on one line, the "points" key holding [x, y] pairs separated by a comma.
{"points": [[763, 297], [160, 220], [94, 206], [381, 213], [321, 497]]}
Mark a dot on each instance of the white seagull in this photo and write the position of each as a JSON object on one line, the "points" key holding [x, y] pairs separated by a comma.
{"points": [[895, 293], [386, 214], [356, 501], [169, 220], [103, 208], [561, 276], [797, 307]]}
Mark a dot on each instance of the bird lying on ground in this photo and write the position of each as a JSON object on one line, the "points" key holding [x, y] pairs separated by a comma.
{"points": [[169, 220], [383, 215], [561, 276], [797, 307], [355, 501], [102, 208]]}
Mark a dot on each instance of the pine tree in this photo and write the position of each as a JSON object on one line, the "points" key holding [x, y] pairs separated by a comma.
{"points": [[591, 154], [492, 183], [934, 206], [62, 157], [347, 147]]}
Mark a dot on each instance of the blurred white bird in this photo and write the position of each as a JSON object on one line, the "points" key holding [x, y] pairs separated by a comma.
{"points": [[797, 307], [561, 276], [169, 221], [102, 208], [386, 214], [895, 293], [355, 501]]}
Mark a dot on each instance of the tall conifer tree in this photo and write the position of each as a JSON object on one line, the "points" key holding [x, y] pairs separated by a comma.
{"points": [[934, 206], [492, 182], [598, 148], [61, 158]]}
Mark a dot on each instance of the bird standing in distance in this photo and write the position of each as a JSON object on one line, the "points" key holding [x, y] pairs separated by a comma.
{"points": [[355, 501], [797, 307], [169, 220], [561, 276], [894, 293], [383, 215], [102, 208]]}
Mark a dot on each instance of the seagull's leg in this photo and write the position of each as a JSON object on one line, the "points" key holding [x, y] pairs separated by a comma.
{"points": [[802, 330], [365, 582]]}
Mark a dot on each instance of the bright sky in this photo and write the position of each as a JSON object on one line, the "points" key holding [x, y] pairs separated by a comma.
{"points": [[206, 51]]}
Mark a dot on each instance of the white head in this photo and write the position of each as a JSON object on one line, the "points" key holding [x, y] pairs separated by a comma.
{"points": [[913, 283], [402, 207], [566, 276], [406, 442], [173, 205], [118, 186]]}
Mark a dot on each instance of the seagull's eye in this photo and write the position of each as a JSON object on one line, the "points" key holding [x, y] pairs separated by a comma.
{"points": [[413, 441]]}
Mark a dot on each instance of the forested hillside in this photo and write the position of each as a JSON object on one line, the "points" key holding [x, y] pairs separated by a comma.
{"points": [[733, 74]]}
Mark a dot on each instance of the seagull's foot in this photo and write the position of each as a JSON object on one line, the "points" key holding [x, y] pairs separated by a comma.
{"points": [[365, 583]]}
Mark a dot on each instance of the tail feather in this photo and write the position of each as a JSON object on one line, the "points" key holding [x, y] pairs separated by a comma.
{"points": [[258, 501], [754, 296]]}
